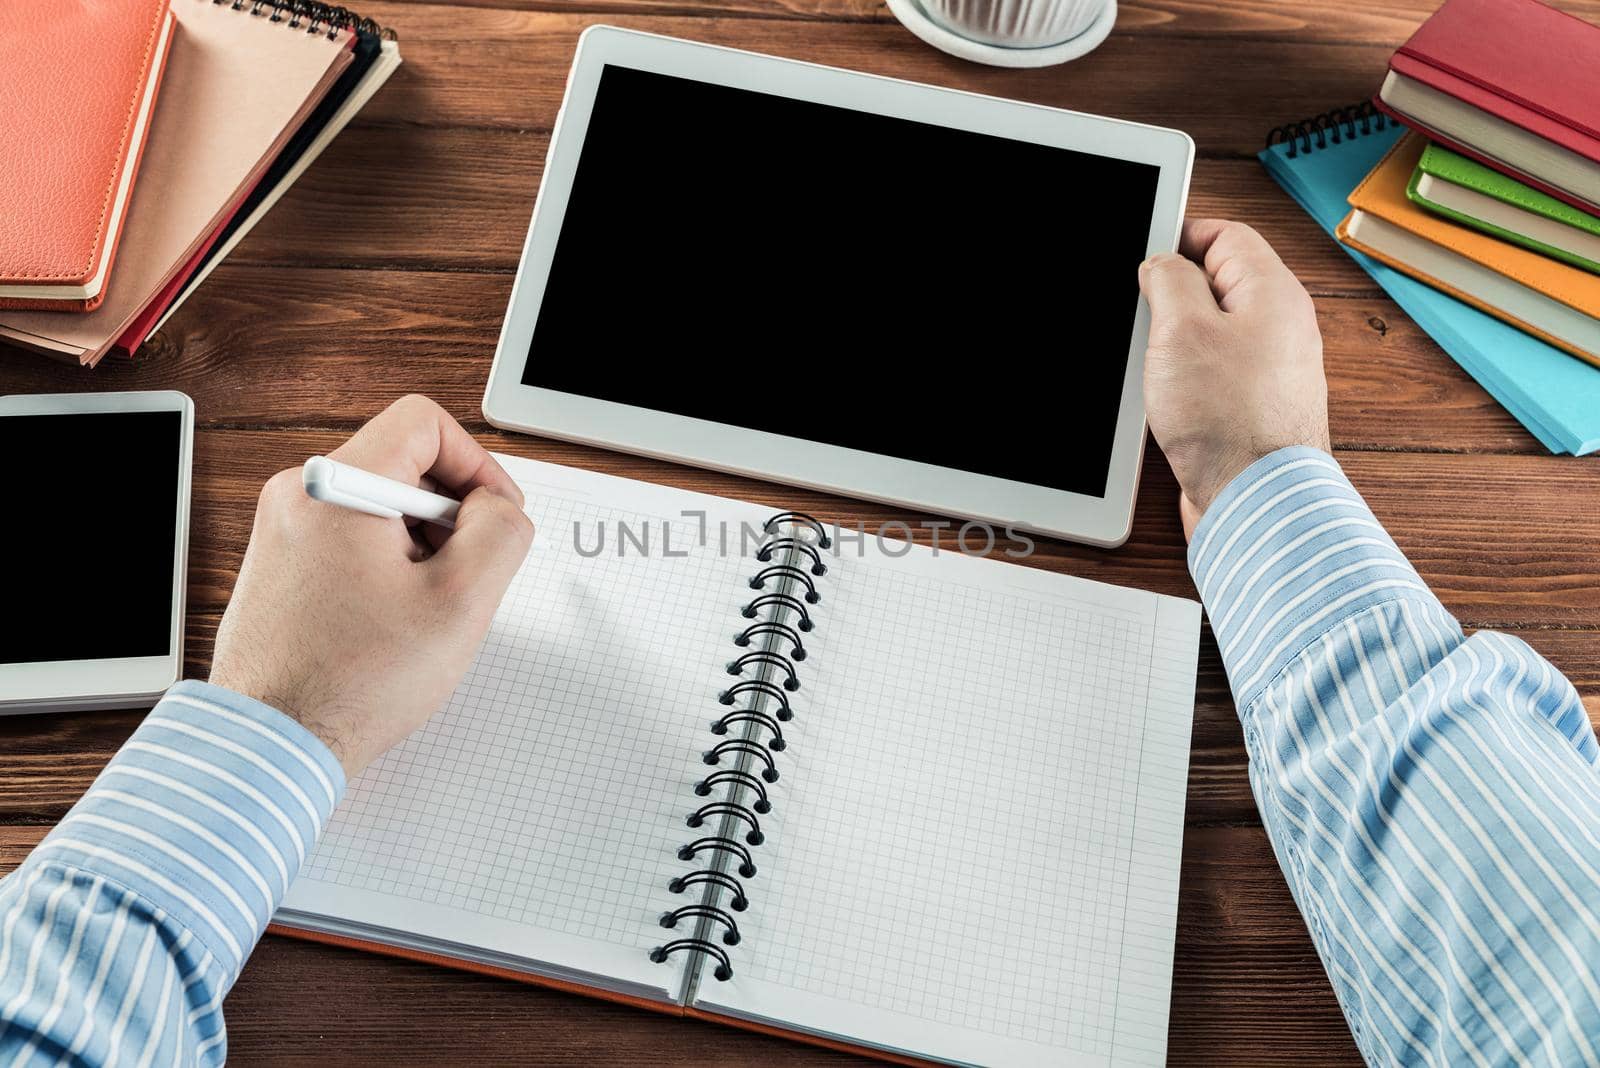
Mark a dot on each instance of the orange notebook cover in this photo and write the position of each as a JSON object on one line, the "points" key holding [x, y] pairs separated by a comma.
{"points": [[1382, 194], [79, 82]]}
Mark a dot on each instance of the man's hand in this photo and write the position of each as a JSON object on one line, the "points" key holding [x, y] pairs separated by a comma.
{"points": [[353, 624], [1234, 369]]}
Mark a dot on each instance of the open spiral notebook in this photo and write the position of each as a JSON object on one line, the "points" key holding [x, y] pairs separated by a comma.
{"points": [[735, 765]]}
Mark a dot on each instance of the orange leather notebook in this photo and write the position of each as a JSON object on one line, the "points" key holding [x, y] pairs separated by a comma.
{"points": [[79, 82], [1556, 302], [920, 805]]}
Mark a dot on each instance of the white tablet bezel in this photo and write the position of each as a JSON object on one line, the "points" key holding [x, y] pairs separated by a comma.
{"points": [[123, 682], [509, 404]]}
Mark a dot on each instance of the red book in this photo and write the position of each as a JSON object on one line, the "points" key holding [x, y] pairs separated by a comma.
{"points": [[1512, 83]]}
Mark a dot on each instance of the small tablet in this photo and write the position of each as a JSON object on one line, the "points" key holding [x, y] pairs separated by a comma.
{"points": [[852, 283], [99, 537]]}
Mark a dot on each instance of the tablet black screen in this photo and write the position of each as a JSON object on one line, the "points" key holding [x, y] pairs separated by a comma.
{"points": [[90, 543], [871, 282]]}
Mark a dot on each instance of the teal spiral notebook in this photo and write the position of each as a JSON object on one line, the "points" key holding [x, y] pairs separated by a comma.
{"points": [[1318, 162]]}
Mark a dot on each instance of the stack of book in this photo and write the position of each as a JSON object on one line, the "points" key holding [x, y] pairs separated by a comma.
{"points": [[1494, 197], [1486, 190], [142, 139]]}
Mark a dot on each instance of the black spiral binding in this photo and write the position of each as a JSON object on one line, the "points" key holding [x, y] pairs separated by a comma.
{"points": [[752, 732], [1331, 127], [313, 16]]}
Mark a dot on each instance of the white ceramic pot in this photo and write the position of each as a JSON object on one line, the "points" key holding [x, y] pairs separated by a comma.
{"points": [[1016, 23]]}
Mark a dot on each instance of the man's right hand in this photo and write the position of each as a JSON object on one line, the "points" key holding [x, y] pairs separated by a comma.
{"points": [[1234, 367], [350, 624]]}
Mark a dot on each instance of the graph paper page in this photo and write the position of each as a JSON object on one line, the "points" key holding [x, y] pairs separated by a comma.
{"points": [[975, 845], [537, 815]]}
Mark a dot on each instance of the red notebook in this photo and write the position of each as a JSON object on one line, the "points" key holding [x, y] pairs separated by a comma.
{"points": [[1513, 83]]}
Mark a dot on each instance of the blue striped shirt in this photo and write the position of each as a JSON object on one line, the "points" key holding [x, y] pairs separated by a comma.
{"points": [[123, 931], [1433, 799]]}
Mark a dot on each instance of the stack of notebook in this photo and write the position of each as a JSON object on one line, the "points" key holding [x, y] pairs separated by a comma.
{"points": [[1491, 202], [158, 133]]}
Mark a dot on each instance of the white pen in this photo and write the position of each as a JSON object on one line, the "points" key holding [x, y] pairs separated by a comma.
{"points": [[362, 491]]}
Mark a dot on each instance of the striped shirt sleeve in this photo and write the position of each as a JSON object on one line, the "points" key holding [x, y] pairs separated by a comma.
{"points": [[1433, 798], [123, 931]]}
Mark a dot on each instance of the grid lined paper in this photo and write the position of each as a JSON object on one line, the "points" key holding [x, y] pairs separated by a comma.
{"points": [[551, 789], [982, 823], [973, 851]]}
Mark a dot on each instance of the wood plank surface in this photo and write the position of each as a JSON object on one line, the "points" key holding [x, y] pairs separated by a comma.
{"points": [[506, 69], [1324, 20], [386, 270], [467, 194], [1537, 581], [340, 344], [299, 1003], [1536, 572]]}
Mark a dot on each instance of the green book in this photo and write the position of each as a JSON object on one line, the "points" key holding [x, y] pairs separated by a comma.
{"points": [[1471, 194]]}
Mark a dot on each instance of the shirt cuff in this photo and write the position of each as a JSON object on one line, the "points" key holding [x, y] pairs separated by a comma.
{"points": [[205, 814], [1287, 552]]}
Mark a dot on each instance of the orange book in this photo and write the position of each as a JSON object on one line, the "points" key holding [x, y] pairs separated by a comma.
{"points": [[80, 83], [1553, 301], [921, 805]]}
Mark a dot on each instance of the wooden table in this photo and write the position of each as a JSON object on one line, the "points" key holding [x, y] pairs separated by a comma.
{"points": [[386, 270]]}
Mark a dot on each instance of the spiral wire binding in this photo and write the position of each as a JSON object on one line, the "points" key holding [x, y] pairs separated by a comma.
{"points": [[747, 866], [776, 743], [744, 746], [797, 648], [709, 876], [314, 16], [759, 686], [704, 787], [1331, 127], [751, 734]]}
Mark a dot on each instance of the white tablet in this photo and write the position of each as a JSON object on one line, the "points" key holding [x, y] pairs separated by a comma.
{"points": [[847, 282], [98, 536]]}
